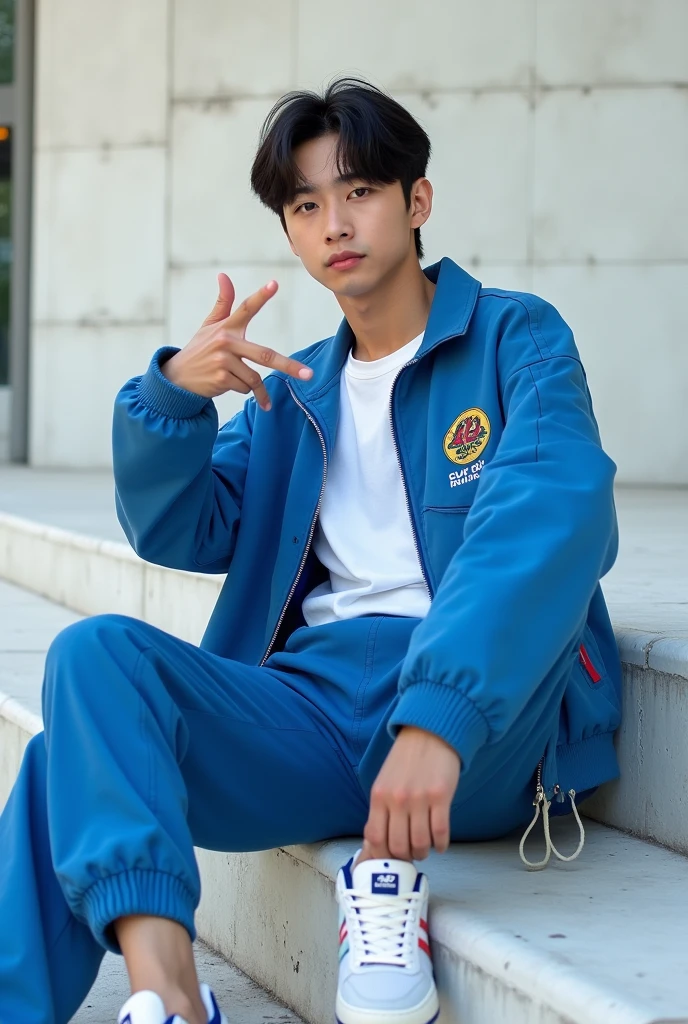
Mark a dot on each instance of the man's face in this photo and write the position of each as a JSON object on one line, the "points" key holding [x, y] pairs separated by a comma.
{"points": [[338, 215]]}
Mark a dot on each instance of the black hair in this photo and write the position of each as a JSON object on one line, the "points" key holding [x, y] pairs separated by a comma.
{"points": [[379, 141]]}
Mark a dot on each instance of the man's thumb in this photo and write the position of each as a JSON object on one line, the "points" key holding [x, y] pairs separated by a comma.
{"points": [[224, 301]]}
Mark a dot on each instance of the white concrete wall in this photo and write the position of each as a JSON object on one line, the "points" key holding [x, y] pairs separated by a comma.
{"points": [[560, 135]]}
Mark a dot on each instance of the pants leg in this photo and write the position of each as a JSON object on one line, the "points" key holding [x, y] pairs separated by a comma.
{"points": [[48, 959], [151, 746]]}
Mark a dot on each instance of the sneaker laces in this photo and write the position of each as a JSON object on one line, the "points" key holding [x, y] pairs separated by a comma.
{"points": [[378, 927]]}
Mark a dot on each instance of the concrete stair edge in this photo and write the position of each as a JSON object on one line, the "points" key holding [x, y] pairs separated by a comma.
{"points": [[94, 576], [15, 712]]}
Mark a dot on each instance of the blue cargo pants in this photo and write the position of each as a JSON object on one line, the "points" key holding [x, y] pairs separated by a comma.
{"points": [[152, 746]]}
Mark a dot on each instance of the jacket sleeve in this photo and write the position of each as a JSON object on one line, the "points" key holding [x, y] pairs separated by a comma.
{"points": [[178, 483], [539, 536]]}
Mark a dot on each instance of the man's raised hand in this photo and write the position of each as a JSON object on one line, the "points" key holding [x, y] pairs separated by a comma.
{"points": [[213, 361]]}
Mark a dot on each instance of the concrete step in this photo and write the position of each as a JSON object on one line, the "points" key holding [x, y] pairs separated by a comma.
{"points": [[242, 1001], [650, 800], [91, 575], [602, 940]]}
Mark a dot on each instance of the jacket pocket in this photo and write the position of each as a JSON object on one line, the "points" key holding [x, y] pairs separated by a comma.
{"points": [[590, 704], [443, 528]]}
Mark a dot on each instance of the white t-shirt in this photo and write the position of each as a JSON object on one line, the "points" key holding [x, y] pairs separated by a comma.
{"points": [[364, 534]]}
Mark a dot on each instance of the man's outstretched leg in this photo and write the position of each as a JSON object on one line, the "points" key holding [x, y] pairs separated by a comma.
{"points": [[151, 746], [48, 959]]}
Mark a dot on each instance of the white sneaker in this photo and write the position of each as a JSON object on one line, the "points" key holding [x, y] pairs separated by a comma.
{"points": [[385, 968], [148, 1008]]}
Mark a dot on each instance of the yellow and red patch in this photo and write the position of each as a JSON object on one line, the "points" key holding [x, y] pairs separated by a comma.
{"points": [[467, 436]]}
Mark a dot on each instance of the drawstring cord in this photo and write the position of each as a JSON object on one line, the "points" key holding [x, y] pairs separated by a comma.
{"points": [[542, 804]]}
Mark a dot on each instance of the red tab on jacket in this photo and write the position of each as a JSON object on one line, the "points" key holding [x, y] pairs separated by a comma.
{"points": [[591, 670]]}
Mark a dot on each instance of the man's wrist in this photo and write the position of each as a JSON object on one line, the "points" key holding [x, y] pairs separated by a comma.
{"points": [[427, 732], [445, 712]]}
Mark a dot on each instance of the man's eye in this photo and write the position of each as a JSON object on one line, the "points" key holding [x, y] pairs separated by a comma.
{"points": [[361, 188], [303, 207]]}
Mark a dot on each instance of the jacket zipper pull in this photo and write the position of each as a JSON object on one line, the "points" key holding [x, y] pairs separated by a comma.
{"points": [[542, 805], [581, 842]]}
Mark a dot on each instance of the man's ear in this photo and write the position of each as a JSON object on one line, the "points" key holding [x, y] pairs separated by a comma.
{"points": [[421, 202]]}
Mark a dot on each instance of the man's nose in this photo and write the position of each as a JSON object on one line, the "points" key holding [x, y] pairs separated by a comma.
{"points": [[337, 225]]}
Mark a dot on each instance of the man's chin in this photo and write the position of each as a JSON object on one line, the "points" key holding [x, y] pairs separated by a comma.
{"points": [[354, 286]]}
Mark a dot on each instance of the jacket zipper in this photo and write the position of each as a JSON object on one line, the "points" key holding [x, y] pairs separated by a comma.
{"points": [[591, 670], [310, 532], [403, 479], [540, 795], [539, 790]]}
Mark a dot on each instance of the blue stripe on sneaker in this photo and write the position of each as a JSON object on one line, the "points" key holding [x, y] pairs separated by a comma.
{"points": [[346, 868]]}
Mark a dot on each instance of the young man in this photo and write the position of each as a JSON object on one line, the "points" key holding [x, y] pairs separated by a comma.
{"points": [[411, 643]]}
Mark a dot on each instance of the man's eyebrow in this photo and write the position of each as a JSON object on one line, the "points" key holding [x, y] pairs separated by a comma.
{"points": [[306, 188]]}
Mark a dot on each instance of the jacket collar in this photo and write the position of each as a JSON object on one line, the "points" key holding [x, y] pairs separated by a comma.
{"points": [[452, 307]]}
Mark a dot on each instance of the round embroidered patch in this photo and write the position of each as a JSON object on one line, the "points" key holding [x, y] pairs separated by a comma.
{"points": [[467, 436]]}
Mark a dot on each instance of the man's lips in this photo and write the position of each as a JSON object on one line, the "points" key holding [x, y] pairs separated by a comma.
{"points": [[344, 260]]}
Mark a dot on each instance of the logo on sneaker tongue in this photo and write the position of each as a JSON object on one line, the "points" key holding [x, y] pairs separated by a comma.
{"points": [[385, 885]]}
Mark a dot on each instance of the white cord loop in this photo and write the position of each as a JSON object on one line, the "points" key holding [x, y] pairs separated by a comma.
{"points": [[543, 804]]}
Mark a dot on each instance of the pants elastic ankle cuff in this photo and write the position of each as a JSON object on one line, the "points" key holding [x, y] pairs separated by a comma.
{"points": [[136, 891]]}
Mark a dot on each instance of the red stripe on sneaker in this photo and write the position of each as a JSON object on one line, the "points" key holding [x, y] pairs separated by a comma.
{"points": [[343, 934], [424, 946], [424, 925]]}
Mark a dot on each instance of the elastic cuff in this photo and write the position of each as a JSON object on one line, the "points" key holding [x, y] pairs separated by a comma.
{"points": [[445, 712], [162, 396], [136, 891]]}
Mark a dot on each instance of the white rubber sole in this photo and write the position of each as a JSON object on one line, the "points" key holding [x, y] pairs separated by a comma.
{"points": [[423, 1013]]}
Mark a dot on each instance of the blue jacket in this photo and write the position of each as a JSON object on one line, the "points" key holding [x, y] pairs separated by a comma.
{"points": [[509, 492]]}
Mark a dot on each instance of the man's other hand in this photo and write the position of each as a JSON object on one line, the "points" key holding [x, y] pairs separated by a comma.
{"points": [[410, 799]]}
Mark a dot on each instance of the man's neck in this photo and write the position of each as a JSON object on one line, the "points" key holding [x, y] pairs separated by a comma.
{"points": [[394, 315]]}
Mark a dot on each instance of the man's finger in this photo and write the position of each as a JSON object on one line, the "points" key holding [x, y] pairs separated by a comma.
{"points": [[399, 840], [268, 357], [439, 826], [421, 837], [246, 310], [262, 397], [250, 381], [223, 303], [375, 831]]}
